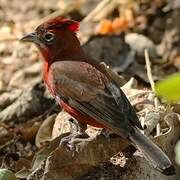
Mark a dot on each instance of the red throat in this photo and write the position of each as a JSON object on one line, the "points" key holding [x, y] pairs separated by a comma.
{"points": [[46, 71], [46, 74]]}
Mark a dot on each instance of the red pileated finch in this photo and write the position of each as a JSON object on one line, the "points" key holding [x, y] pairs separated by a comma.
{"points": [[85, 90]]}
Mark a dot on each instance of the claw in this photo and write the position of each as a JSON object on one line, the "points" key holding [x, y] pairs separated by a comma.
{"points": [[106, 133], [71, 140]]}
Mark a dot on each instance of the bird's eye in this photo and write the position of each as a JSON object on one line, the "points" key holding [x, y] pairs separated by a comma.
{"points": [[49, 37]]}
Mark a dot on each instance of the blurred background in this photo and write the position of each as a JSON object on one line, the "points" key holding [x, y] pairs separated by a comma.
{"points": [[153, 24]]}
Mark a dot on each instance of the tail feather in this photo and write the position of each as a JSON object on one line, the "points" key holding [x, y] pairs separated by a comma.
{"points": [[152, 152]]}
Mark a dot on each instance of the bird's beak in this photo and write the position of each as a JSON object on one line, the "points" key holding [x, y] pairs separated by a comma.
{"points": [[31, 37]]}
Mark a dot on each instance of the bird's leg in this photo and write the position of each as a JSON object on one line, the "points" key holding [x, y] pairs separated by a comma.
{"points": [[79, 135], [129, 151], [105, 132]]}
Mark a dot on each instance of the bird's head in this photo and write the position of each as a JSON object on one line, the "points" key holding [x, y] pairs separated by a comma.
{"points": [[56, 38]]}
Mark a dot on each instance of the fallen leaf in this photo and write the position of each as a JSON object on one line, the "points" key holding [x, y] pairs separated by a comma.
{"points": [[170, 137], [152, 118], [25, 76], [45, 131], [61, 164], [29, 129], [61, 125], [6, 174], [23, 174]]}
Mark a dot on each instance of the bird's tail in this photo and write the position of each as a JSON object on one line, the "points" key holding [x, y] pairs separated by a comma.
{"points": [[152, 152]]}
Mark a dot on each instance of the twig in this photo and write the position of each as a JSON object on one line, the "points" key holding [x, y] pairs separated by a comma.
{"points": [[63, 11], [149, 74], [104, 6]]}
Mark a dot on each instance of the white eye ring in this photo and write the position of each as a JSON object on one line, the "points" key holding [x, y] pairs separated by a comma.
{"points": [[49, 36]]}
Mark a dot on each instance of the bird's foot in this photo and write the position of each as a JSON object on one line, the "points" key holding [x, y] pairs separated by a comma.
{"points": [[71, 140], [129, 151], [76, 137], [106, 133]]}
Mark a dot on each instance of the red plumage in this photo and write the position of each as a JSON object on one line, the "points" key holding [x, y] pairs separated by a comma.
{"points": [[60, 22]]}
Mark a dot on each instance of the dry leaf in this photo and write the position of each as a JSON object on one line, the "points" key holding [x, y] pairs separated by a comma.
{"points": [[62, 124], [172, 134], [45, 131], [23, 77], [152, 118], [91, 152], [28, 129]]}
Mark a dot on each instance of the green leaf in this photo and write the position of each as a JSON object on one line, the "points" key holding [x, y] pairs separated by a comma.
{"points": [[177, 152], [6, 174], [169, 88]]}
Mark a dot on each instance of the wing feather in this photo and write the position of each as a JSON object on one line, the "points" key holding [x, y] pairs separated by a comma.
{"points": [[90, 92]]}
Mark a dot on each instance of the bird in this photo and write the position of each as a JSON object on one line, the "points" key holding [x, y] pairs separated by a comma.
{"points": [[84, 89]]}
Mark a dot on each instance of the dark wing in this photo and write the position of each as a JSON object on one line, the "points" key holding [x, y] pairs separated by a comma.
{"points": [[89, 91]]}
